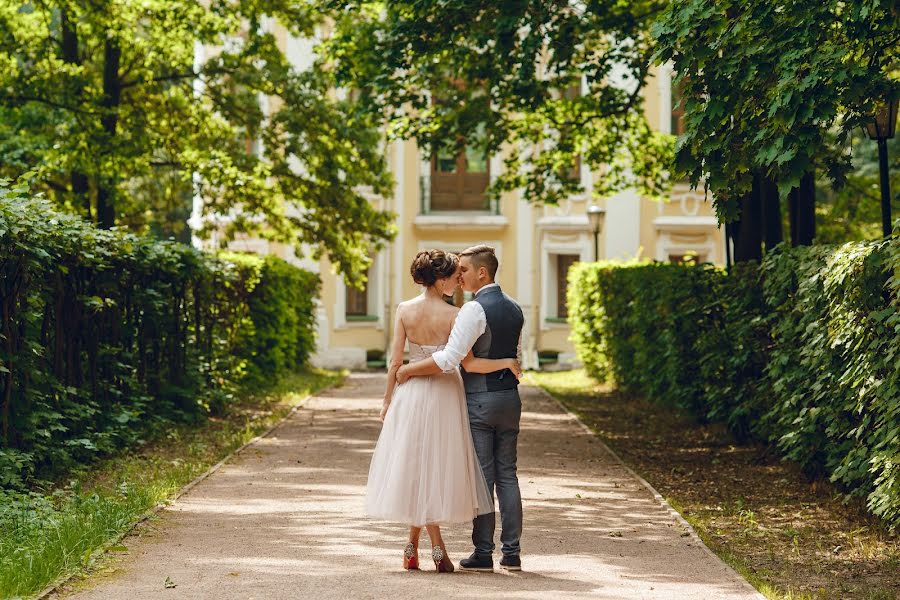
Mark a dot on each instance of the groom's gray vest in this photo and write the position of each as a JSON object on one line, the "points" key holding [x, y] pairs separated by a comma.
{"points": [[499, 340]]}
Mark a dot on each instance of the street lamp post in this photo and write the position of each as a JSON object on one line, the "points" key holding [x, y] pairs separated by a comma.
{"points": [[595, 219], [881, 128]]}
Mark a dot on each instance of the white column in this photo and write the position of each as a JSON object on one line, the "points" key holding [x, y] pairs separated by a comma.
{"points": [[526, 276], [623, 225], [664, 79], [300, 52], [397, 247]]}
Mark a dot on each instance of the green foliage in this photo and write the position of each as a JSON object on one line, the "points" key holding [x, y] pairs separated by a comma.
{"points": [[834, 370], [853, 212], [782, 103], [124, 111], [279, 334], [672, 301], [801, 352], [45, 535], [495, 76], [105, 335]]}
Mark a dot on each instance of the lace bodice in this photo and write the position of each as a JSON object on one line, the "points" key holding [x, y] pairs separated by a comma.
{"points": [[419, 352]]}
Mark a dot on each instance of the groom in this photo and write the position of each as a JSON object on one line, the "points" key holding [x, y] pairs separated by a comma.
{"points": [[490, 326]]}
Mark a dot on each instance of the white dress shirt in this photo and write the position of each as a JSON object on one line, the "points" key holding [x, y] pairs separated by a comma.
{"points": [[470, 324]]}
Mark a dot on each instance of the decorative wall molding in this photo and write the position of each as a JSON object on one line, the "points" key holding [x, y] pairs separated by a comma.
{"points": [[679, 235], [463, 220], [563, 223]]}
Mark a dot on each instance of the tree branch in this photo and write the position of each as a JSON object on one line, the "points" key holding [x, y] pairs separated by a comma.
{"points": [[15, 100], [177, 77]]}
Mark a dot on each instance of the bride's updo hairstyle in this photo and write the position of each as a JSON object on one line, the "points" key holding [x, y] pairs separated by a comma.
{"points": [[430, 265]]}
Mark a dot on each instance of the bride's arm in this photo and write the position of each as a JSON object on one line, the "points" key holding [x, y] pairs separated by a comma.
{"points": [[397, 347], [489, 365]]}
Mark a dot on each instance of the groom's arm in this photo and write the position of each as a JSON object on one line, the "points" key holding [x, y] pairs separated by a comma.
{"points": [[470, 324]]}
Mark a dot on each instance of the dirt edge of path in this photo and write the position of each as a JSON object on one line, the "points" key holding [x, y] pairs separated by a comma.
{"points": [[48, 592], [656, 495]]}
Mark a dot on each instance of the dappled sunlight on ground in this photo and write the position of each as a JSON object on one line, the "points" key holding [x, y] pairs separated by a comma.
{"points": [[284, 520]]}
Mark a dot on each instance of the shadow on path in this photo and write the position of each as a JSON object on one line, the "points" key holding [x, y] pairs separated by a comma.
{"points": [[284, 520]]}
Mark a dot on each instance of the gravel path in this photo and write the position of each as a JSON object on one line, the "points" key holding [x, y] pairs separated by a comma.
{"points": [[283, 519]]}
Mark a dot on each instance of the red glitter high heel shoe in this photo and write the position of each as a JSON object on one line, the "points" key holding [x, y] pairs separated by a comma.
{"points": [[411, 557], [441, 562]]}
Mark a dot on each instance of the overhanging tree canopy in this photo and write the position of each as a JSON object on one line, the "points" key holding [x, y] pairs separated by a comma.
{"points": [[107, 103], [775, 88], [495, 75]]}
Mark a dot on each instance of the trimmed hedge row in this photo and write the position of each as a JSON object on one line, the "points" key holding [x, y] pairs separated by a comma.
{"points": [[802, 351], [105, 336]]}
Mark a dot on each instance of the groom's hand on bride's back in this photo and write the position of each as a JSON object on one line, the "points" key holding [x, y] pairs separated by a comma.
{"points": [[402, 375]]}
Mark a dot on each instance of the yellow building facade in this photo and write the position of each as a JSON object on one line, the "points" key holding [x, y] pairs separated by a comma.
{"points": [[440, 202]]}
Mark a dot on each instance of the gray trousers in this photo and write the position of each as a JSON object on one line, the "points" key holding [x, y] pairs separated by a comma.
{"points": [[494, 420]]}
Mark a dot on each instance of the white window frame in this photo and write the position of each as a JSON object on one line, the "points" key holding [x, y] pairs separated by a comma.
{"points": [[376, 298], [577, 244]]}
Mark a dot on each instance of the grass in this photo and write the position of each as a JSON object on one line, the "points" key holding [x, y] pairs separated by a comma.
{"points": [[791, 537], [47, 536]]}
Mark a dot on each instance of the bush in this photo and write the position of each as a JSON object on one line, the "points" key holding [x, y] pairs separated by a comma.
{"points": [[279, 334], [105, 336], [802, 352]]}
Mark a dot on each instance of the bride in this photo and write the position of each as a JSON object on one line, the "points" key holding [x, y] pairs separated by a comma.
{"points": [[424, 471]]}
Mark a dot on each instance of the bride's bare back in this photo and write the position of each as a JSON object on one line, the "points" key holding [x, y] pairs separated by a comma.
{"points": [[427, 320]]}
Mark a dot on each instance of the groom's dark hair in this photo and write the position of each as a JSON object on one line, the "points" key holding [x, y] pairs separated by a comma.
{"points": [[483, 256]]}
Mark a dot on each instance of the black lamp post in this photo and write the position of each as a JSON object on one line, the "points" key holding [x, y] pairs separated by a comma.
{"points": [[881, 128], [596, 215]]}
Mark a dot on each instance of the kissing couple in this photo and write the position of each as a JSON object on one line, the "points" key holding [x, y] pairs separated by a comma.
{"points": [[451, 416]]}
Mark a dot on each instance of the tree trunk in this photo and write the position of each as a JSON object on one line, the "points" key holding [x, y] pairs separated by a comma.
{"points": [[79, 180], [748, 229], [802, 208], [771, 209], [112, 96], [10, 368]]}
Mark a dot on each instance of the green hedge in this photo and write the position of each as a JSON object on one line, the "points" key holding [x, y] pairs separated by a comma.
{"points": [[105, 336], [802, 351], [281, 333]]}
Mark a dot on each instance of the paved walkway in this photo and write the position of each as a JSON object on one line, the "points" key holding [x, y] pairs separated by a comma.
{"points": [[283, 519]]}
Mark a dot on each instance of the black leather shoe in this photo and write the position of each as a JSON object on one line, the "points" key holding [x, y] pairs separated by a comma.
{"points": [[511, 563], [477, 562]]}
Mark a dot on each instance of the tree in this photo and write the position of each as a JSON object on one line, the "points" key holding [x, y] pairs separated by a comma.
{"points": [[495, 75], [114, 112], [773, 90], [853, 212]]}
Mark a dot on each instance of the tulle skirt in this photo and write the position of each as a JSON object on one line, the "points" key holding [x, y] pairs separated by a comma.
{"points": [[424, 470]]}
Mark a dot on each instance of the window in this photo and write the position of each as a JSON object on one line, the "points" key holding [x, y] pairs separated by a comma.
{"points": [[460, 181], [563, 263], [677, 123], [358, 300], [686, 258], [251, 145], [573, 173]]}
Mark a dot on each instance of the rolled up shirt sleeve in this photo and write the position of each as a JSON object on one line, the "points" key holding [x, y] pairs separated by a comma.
{"points": [[519, 347], [470, 324]]}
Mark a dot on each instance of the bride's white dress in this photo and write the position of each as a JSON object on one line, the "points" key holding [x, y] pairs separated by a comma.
{"points": [[424, 469]]}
